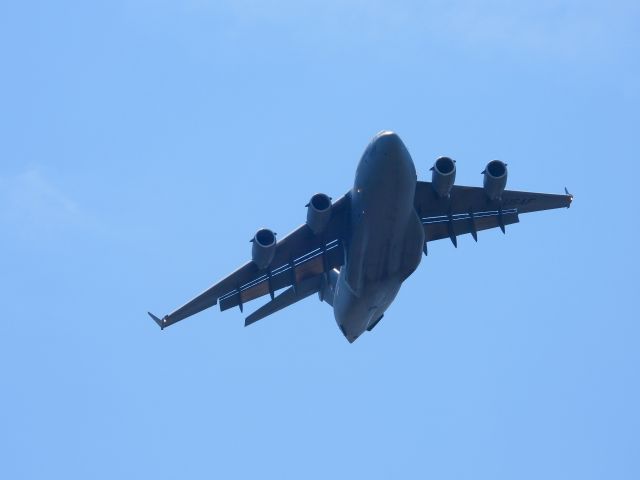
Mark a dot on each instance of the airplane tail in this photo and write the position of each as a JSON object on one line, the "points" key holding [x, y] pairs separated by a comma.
{"points": [[323, 285], [290, 296]]}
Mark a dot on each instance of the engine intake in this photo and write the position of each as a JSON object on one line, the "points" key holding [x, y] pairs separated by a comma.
{"points": [[495, 179], [443, 176], [318, 212], [264, 248]]}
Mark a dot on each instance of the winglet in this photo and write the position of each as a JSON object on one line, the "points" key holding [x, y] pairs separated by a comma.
{"points": [[568, 195], [157, 320]]}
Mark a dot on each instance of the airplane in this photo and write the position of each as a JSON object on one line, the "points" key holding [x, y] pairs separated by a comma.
{"points": [[356, 252]]}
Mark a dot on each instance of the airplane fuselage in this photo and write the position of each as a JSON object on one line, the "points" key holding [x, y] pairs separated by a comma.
{"points": [[385, 245], [356, 252]]}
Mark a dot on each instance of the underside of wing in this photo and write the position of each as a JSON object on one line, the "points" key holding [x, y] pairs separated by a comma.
{"points": [[451, 226], [301, 255], [312, 264], [470, 209]]}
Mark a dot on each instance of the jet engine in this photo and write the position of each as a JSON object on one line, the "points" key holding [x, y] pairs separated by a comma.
{"points": [[264, 248], [495, 179], [443, 176], [318, 212]]}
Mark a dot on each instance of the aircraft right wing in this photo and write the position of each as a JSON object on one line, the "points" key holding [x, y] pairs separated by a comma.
{"points": [[299, 256]]}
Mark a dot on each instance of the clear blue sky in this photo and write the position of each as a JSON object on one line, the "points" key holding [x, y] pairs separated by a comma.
{"points": [[143, 142]]}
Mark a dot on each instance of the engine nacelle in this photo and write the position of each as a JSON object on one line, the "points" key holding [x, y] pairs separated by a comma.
{"points": [[318, 212], [264, 248], [495, 179], [443, 176]]}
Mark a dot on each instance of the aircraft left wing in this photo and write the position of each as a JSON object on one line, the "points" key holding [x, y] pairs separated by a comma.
{"points": [[299, 256], [469, 209]]}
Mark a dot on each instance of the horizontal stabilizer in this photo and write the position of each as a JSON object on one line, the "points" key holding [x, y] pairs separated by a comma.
{"points": [[288, 297]]}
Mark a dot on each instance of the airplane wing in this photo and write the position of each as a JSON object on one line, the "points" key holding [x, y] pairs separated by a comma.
{"points": [[299, 256], [469, 210]]}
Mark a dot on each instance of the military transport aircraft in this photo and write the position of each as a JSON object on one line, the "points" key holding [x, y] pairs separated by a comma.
{"points": [[356, 252]]}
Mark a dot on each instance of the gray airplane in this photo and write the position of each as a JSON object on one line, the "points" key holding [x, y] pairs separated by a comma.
{"points": [[356, 252]]}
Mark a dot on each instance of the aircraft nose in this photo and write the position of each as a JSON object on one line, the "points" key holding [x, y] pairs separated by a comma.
{"points": [[388, 155], [388, 143]]}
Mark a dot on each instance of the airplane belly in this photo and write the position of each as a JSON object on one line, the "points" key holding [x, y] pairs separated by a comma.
{"points": [[385, 242], [384, 218], [354, 314]]}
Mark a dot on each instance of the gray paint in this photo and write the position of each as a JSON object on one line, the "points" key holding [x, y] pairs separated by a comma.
{"points": [[356, 252], [386, 235]]}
